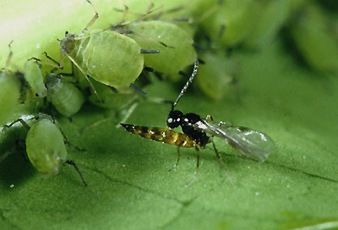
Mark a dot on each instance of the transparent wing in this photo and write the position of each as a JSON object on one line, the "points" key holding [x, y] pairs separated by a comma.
{"points": [[250, 143]]}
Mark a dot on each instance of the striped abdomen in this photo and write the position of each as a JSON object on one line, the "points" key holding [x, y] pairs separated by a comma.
{"points": [[163, 135]]}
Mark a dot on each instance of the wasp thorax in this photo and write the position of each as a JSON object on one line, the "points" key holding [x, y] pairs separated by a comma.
{"points": [[190, 119]]}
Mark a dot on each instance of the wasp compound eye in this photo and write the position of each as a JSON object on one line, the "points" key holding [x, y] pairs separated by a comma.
{"points": [[174, 119]]}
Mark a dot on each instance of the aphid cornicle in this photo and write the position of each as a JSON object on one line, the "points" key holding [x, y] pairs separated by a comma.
{"points": [[45, 146], [174, 43], [106, 56]]}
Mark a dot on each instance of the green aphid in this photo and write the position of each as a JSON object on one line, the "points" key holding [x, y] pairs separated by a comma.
{"points": [[174, 43], [9, 92], [106, 56], [65, 96], [9, 95], [215, 75], [314, 39], [229, 22], [33, 76], [45, 146]]}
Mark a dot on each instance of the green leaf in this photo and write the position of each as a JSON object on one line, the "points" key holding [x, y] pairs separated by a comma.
{"points": [[131, 184]]}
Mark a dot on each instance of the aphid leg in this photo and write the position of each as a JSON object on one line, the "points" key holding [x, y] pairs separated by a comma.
{"points": [[221, 30], [74, 146], [95, 17], [125, 13], [127, 114], [150, 99], [57, 65], [67, 142], [24, 124], [72, 163], [84, 74], [149, 10]]}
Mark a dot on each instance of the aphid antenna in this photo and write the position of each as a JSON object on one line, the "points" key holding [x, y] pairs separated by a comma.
{"points": [[125, 13], [67, 142], [72, 163], [175, 9], [209, 12], [10, 55], [119, 27], [185, 87], [37, 61], [140, 16]]}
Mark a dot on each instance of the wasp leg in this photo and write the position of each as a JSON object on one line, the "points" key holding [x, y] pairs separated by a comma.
{"points": [[178, 157], [218, 155], [196, 171], [197, 160]]}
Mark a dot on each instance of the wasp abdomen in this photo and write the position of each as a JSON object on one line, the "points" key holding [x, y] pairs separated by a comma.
{"points": [[163, 135]]}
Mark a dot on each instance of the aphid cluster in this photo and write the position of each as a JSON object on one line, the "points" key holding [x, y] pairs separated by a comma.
{"points": [[105, 63]]}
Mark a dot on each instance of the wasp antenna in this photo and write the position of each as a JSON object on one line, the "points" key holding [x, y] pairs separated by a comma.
{"points": [[184, 89]]}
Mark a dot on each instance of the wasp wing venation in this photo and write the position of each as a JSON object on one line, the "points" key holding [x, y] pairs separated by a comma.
{"points": [[250, 143]]}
